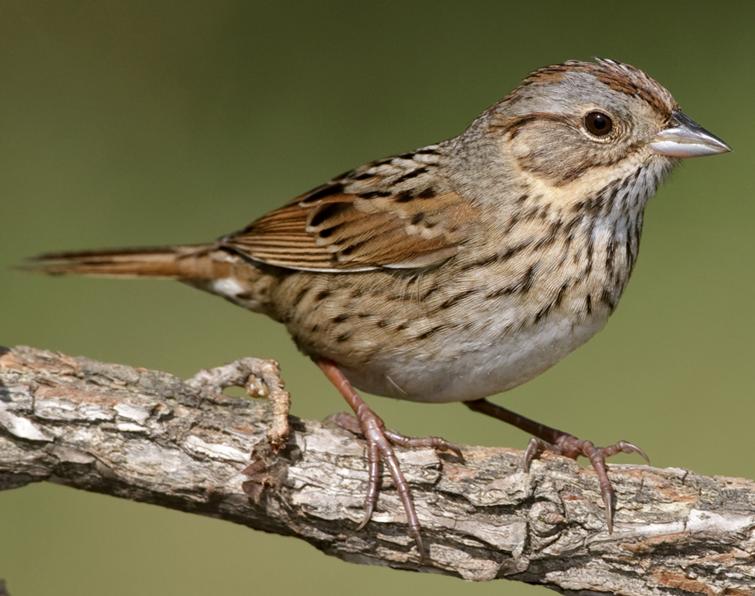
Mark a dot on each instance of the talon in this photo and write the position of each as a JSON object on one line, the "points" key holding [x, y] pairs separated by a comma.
{"points": [[380, 443], [534, 448], [551, 439], [373, 485], [570, 446], [627, 447]]}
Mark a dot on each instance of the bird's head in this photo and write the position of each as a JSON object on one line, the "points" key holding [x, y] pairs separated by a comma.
{"points": [[594, 120]]}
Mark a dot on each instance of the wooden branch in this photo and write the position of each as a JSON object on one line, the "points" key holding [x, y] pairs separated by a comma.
{"points": [[151, 437]]}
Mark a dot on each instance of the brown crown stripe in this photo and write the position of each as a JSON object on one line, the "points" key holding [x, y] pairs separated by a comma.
{"points": [[622, 78]]}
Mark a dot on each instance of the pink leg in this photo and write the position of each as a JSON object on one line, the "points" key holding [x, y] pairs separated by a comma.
{"points": [[557, 441], [380, 451]]}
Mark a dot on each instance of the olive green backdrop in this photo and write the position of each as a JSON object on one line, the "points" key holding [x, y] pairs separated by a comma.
{"points": [[156, 122]]}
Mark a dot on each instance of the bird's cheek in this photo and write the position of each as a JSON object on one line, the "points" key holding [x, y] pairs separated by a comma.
{"points": [[556, 163]]}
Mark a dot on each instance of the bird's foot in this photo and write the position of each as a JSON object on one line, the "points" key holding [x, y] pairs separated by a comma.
{"points": [[380, 444], [572, 447]]}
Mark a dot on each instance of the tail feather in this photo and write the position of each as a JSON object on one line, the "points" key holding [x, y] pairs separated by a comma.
{"points": [[172, 262], [203, 266]]}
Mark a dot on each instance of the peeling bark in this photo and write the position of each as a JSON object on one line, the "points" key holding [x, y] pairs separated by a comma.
{"points": [[151, 437]]}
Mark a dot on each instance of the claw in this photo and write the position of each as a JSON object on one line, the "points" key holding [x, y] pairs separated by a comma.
{"points": [[534, 448], [570, 446], [373, 485], [551, 439], [380, 442], [627, 447]]}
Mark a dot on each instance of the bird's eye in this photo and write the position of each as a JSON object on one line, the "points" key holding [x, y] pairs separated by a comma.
{"points": [[598, 124]]}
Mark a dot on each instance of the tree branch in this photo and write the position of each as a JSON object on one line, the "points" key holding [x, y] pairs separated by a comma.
{"points": [[151, 437]]}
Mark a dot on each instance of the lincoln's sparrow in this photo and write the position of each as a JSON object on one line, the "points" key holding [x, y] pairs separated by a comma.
{"points": [[463, 268]]}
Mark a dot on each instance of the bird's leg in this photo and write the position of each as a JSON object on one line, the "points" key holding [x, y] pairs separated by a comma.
{"points": [[557, 441], [380, 442]]}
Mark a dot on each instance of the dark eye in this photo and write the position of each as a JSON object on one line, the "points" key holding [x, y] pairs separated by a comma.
{"points": [[598, 124]]}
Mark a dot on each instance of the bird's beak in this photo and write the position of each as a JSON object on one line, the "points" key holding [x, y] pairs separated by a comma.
{"points": [[686, 138]]}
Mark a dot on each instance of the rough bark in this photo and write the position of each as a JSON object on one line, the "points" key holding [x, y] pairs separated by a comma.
{"points": [[151, 437]]}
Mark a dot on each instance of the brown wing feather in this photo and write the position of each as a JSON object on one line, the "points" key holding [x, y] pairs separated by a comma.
{"points": [[351, 232]]}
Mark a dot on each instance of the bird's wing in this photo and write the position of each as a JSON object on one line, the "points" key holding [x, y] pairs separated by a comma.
{"points": [[373, 223]]}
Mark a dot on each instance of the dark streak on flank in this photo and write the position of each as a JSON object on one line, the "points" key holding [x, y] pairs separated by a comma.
{"points": [[299, 297], [521, 286], [429, 292], [607, 299], [431, 331], [551, 237], [489, 260], [456, 298], [629, 252], [511, 223], [498, 257], [341, 318], [555, 303], [611, 255]]}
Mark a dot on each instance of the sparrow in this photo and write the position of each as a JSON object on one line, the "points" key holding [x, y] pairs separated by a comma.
{"points": [[461, 269]]}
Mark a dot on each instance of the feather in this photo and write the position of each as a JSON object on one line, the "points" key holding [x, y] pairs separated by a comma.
{"points": [[333, 229]]}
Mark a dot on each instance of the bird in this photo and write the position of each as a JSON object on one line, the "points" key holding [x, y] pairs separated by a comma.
{"points": [[458, 270]]}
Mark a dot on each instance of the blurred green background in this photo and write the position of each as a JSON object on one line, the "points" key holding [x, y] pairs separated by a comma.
{"points": [[156, 122]]}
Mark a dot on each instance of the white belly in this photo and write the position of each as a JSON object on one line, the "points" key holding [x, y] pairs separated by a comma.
{"points": [[485, 363]]}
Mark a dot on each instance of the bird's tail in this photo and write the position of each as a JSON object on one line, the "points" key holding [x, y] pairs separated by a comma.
{"points": [[172, 262], [203, 266]]}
